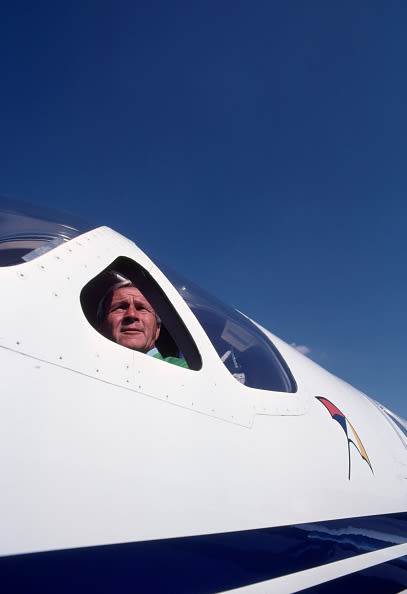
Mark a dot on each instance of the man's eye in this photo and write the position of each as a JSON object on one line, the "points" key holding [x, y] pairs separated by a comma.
{"points": [[118, 308]]}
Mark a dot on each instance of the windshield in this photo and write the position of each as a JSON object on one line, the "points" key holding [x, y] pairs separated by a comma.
{"points": [[243, 348], [28, 230]]}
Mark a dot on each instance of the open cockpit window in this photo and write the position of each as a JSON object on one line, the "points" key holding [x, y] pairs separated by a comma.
{"points": [[112, 288], [243, 348], [28, 230]]}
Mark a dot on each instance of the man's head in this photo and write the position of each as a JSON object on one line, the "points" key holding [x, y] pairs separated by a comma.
{"points": [[126, 317]]}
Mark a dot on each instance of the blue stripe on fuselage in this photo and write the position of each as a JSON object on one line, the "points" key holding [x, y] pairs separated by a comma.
{"points": [[384, 578], [200, 564]]}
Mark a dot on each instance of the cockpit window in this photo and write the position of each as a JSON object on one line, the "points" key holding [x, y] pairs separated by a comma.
{"points": [[27, 230], [174, 340], [243, 348]]}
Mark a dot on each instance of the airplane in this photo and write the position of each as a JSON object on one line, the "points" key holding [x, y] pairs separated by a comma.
{"points": [[251, 470]]}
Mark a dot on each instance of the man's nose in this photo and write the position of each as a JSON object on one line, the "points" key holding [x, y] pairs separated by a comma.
{"points": [[131, 312]]}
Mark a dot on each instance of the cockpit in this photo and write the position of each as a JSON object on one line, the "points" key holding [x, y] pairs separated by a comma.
{"points": [[27, 232]]}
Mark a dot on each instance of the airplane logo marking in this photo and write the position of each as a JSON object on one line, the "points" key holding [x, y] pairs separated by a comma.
{"points": [[351, 435]]}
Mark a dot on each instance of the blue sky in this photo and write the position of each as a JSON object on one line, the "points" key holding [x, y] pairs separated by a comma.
{"points": [[258, 148]]}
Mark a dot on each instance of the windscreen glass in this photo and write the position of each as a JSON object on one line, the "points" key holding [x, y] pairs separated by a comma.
{"points": [[28, 230], [242, 347]]}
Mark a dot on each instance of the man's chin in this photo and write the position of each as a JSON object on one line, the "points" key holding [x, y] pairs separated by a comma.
{"points": [[131, 343]]}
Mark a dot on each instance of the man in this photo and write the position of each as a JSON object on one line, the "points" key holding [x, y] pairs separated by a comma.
{"points": [[126, 317]]}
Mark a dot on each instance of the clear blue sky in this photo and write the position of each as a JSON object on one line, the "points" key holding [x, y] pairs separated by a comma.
{"points": [[257, 147]]}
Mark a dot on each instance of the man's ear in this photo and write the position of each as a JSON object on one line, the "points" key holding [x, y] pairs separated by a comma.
{"points": [[157, 334]]}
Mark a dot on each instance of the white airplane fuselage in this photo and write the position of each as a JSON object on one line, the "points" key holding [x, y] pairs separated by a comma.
{"points": [[102, 445]]}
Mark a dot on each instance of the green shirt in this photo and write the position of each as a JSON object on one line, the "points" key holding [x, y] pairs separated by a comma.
{"points": [[173, 360]]}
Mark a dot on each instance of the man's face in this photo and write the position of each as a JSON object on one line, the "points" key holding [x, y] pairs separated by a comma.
{"points": [[130, 320]]}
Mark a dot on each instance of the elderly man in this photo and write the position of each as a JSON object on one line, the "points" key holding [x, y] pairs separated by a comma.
{"points": [[126, 317]]}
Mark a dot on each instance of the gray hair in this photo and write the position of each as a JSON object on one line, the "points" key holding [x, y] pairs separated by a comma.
{"points": [[122, 282]]}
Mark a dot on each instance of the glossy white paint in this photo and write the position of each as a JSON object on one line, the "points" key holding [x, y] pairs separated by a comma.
{"points": [[100, 444]]}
